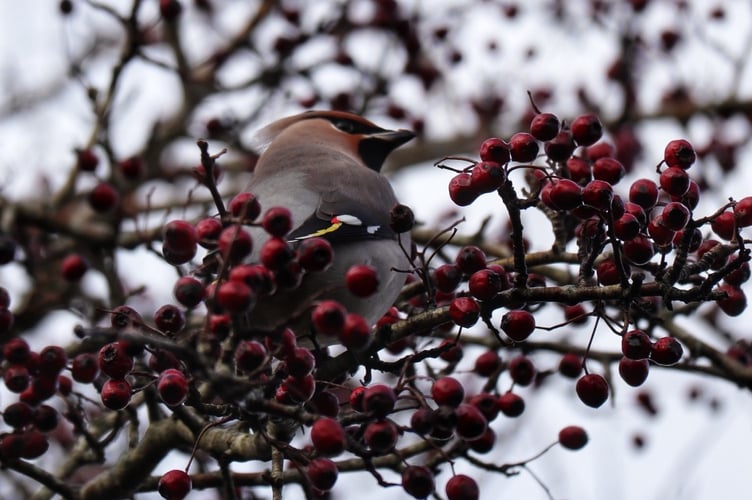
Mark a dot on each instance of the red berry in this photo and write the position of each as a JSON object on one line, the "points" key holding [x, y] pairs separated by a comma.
{"points": [[132, 168], [362, 280], [461, 190], [579, 170], [18, 414], [322, 473], [494, 150], [422, 421], [743, 212], [600, 150], [104, 197], [464, 311], [447, 391], [675, 215], [724, 225], [666, 351], [461, 487], [565, 194], [85, 367], [52, 360], [16, 351], [570, 365], [277, 221], [522, 370], [35, 444], [487, 364], [660, 232], [180, 241], [235, 244], [598, 194], [523, 147], [544, 126], [172, 387], [298, 389], [116, 394], [644, 192], [114, 361], [471, 423], [87, 160], [328, 437], [174, 485], [573, 437], [315, 254], [381, 436], [560, 147], [189, 291], [487, 404], [169, 319], [518, 324], [379, 399], [592, 390], [249, 356], [356, 333], [679, 153], [609, 170], [73, 268], [486, 177], [483, 444], [470, 259], [626, 227], [208, 231], [634, 371], [235, 296], [586, 129], [635, 344], [692, 197], [245, 205], [328, 317], [300, 362], [447, 277], [417, 481], [511, 405], [675, 181], [639, 250], [735, 302]]}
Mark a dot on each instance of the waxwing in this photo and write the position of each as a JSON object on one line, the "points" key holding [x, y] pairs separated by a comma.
{"points": [[324, 167]]}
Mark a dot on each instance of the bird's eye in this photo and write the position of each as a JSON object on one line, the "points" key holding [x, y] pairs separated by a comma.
{"points": [[346, 126]]}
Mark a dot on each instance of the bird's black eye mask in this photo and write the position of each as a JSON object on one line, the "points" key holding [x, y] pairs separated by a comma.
{"points": [[354, 127]]}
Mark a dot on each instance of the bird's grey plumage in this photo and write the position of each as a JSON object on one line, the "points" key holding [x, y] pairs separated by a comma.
{"points": [[313, 168]]}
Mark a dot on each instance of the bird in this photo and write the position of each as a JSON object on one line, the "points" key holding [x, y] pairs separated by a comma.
{"points": [[324, 167]]}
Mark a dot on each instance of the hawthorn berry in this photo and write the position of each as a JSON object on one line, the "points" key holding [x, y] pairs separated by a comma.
{"points": [[675, 215], [87, 160], [462, 487], [724, 225], [522, 370], [208, 231], [635, 344], [328, 437], [417, 481], [189, 291], [18, 414], [298, 389], [114, 361], [486, 177], [487, 363], [73, 267], [573, 437], [381, 436], [483, 444], [461, 189], [447, 277], [666, 351], [104, 197], [235, 244], [471, 423], [564, 194], [379, 399], [52, 360], [518, 324], [362, 280], [249, 356], [245, 206], [85, 367], [560, 147], [570, 365], [743, 212], [356, 332], [675, 181], [328, 317], [544, 126], [116, 394], [422, 421], [235, 297], [464, 311], [511, 404], [735, 301], [679, 153], [470, 259], [447, 391], [586, 129], [172, 387], [523, 147], [592, 389], [626, 227], [315, 254], [179, 241], [609, 170], [174, 485], [494, 150], [634, 371], [169, 319], [322, 473], [579, 170], [277, 221], [598, 194]]}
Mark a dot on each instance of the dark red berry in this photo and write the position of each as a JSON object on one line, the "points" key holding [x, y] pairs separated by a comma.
{"points": [[464, 311], [486, 177], [635, 344], [675, 181], [461, 189], [470, 259], [592, 390], [73, 267], [586, 129], [518, 324], [634, 371], [245, 206], [322, 473], [523, 147], [679, 153], [511, 404], [104, 197], [277, 221], [666, 351], [362, 280], [172, 387], [522, 370], [116, 394], [328, 317], [447, 391], [114, 361], [573, 437], [189, 291], [544, 126], [315, 254], [417, 481], [174, 484], [328, 437]]}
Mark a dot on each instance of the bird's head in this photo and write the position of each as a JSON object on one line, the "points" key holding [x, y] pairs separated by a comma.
{"points": [[347, 133]]}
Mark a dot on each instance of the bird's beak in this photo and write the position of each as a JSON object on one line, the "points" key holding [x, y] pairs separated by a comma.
{"points": [[394, 138]]}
